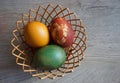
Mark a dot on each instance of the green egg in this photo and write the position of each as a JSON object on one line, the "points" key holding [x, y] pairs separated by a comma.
{"points": [[49, 57]]}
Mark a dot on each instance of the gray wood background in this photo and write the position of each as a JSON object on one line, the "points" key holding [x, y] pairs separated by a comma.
{"points": [[102, 57]]}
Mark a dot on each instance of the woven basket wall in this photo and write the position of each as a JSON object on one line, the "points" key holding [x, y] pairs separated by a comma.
{"points": [[24, 53]]}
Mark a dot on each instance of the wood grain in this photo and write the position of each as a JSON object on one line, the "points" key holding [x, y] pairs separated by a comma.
{"points": [[102, 57]]}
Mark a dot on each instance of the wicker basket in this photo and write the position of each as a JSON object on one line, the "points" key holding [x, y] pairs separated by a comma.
{"points": [[24, 53]]}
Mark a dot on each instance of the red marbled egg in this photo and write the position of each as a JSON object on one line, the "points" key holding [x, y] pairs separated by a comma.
{"points": [[61, 32]]}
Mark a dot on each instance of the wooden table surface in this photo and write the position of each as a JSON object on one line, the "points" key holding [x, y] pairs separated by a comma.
{"points": [[102, 57]]}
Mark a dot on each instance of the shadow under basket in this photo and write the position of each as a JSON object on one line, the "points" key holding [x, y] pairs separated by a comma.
{"points": [[45, 14]]}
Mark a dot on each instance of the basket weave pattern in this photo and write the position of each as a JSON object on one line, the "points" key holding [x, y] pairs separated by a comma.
{"points": [[24, 53]]}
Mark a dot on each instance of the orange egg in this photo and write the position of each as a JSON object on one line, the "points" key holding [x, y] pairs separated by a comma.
{"points": [[36, 34]]}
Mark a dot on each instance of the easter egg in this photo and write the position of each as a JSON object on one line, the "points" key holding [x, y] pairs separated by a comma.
{"points": [[49, 57], [36, 34], [61, 32]]}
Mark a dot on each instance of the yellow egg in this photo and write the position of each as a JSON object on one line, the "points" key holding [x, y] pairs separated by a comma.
{"points": [[36, 34]]}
